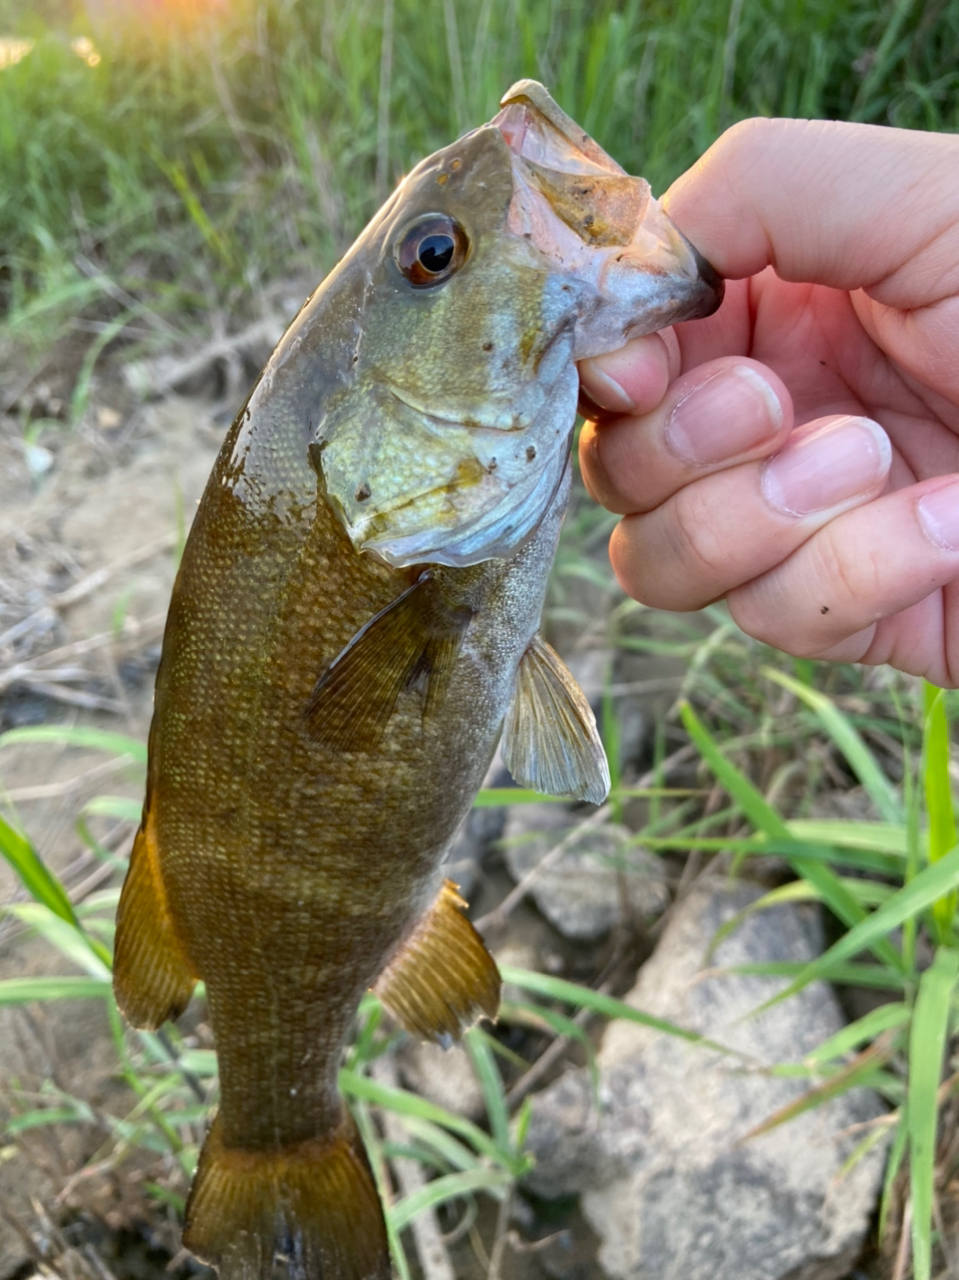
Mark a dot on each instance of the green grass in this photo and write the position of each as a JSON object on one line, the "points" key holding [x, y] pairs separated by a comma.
{"points": [[189, 166], [889, 881]]}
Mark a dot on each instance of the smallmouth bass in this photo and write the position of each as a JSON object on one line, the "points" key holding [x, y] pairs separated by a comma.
{"points": [[353, 627]]}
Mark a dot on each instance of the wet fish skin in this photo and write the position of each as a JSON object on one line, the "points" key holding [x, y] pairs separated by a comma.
{"points": [[364, 578]]}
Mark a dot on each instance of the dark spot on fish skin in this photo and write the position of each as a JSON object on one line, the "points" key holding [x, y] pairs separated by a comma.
{"points": [[313, 452], [824, 609], [355, 360], [362, 492], [491, 466], [530, 453], [487, 346], [470, 422]]}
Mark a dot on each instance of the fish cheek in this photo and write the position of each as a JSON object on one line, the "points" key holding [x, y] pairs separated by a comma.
{"points": [[468, 342]]}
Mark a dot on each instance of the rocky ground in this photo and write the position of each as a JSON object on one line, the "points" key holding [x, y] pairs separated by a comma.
{"points": [[655, 1164]]}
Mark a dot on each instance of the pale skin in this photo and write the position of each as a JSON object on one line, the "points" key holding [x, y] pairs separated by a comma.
{"points": [[797, 453]]}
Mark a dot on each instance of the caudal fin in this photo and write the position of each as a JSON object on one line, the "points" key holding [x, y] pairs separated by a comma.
{"points": [[312, 1204]]}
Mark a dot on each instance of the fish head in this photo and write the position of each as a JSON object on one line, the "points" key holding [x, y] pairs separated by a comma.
{"points": [[497, 264]]}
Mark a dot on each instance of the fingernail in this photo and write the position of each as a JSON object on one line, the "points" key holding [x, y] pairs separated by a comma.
{"points": [[607, 393], [939, 513], [824, 465], [728, 414]]}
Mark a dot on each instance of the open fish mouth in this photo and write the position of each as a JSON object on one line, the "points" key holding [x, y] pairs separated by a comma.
{"points": [[572, 258], [581, 209]]}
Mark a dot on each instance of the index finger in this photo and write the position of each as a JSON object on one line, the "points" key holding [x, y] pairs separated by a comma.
{"points": [[851, 206]]}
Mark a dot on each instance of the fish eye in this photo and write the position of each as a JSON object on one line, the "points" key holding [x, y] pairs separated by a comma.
{"points": [[431, 250]]}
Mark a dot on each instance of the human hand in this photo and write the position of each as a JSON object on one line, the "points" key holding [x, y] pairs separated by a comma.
{"points": [[797, 452]]}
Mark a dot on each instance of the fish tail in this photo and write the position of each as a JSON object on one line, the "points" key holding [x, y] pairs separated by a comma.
{"points": [[312, 1204], [152, 976]]}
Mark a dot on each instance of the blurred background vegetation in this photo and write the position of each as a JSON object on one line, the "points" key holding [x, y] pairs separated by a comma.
{"points": [[190, 151]]}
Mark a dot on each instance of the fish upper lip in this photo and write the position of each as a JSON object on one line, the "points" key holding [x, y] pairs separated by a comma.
{"points": [[538, 130]]}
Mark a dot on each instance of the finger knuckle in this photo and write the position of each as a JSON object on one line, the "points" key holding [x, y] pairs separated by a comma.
{"points": [[697, 540], [847, 582]]}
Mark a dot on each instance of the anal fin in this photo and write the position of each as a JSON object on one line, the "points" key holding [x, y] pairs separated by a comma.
{"points": [[442, 978], [411, 643], [152, 977], [313, 1202], [550, 741]]}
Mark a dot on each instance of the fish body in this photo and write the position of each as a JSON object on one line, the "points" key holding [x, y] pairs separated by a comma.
{"points": [[354, 622]]}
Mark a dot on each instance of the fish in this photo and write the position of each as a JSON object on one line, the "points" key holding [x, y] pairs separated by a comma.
{"points": [[354, 626]]}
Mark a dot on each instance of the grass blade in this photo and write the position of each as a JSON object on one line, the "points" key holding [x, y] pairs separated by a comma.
{"points": [[491, 1082], [572, 993], [451, 1186], [115, 807], [117, 744], [858, 756], [25, 990], [942, 820], [886, 1018], [39, 881], [404, 1103], [763, 816], [918, 895], [926, 1043], [68, 938], [857, 1072]]}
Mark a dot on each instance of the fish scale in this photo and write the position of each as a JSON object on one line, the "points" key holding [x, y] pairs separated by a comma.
{"points": [[354, 625]]}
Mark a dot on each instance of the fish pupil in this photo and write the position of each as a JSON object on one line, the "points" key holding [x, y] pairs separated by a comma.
{"points": [[431, 250], [436, 253]]}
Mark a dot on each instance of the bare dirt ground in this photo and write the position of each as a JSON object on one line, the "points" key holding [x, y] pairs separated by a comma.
{"points": [[87, 558]]}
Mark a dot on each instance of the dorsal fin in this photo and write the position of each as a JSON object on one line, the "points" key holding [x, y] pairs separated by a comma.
{"points": [[550, 741], [412, 642]]}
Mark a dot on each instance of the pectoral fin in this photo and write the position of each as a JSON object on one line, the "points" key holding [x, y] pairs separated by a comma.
{"points": [[442, 978], [412, 642], [550, 741]]}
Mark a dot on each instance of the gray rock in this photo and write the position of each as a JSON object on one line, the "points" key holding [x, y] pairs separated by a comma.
{"points": [[480, 831], [670, 1180], [599, 881], [443, 1076]]}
